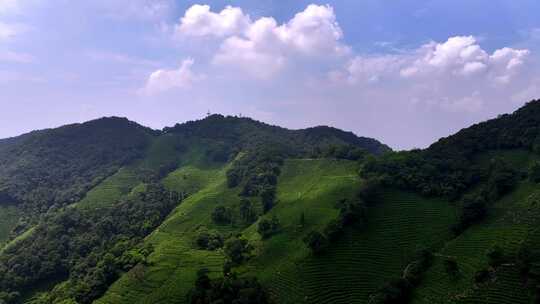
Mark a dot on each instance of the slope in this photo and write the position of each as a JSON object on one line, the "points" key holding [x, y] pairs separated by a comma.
{"points": [[509, 223], [176, 260]]}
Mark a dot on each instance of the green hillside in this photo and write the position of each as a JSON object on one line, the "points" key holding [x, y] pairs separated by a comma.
{"points": [[311, 186], [9, 215], [231, 210]]}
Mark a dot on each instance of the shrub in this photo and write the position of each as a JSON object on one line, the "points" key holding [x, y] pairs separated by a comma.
{"points": [[451, 266], [495, 256], [237, 250], [534, 172], [221, 215], [316, 241], [209, 240], [267, 228]]}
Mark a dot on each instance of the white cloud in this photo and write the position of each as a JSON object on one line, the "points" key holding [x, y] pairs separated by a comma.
{"points": [[372, 69], [262, 47], [455, 75], [463, 56], [164, 80], [200, 21]]}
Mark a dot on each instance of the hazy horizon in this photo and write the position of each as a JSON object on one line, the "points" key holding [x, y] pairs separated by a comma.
{"points": [[403, 73]]}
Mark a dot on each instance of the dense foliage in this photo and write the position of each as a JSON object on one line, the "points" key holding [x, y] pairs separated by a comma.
{"points": [[49, 169], [267, 228], [399, 290], [501, 179], [351, 212], [90, 249], [447, 168], [227, 290]]}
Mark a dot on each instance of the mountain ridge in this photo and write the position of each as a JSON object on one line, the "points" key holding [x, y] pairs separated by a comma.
{"points": [[288, 216]]}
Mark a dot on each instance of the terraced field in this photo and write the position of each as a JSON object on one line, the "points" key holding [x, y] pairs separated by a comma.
{"points": [[506, 227], [175, 262], [110, 190], [312, 187], [368, 257], [510, 222], [507, 287], [360, 262], [306, 186]]}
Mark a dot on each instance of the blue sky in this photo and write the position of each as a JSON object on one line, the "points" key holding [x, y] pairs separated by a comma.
{"points": [[406, 72]]}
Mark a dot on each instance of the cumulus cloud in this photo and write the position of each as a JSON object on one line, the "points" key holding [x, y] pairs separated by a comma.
{"points": [[263, 47], [454, 75], [200, 21], [463, 56], [370, 69], [164, 80]]}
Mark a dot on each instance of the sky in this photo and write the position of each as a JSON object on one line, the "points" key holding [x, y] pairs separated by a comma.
{"points": [[405, 72]]}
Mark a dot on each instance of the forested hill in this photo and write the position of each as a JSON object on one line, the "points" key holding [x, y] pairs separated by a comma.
{"points": [[58, 166], [448, 166], [520, 129], [77, 201], [231, 210], [249, 133]]}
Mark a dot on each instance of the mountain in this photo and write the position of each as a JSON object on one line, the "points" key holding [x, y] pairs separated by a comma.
{"points": [[232, 210]]}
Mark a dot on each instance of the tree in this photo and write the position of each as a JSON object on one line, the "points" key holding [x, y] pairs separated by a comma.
{"points": [[268, 196], [534, 172], [474, 210], [495, 256], [315, 241], [221, 215], [209, 240], [302, 222], [451, 266], [267, 228], [397, 291], [333, 230], [502, 179], [237, 250], [246, 211], [481, 276]]}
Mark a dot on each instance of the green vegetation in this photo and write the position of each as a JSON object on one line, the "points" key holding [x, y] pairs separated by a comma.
{"points": [[92, 250], [229, 290], [231, 210], [59, 166], [9, 216]]}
